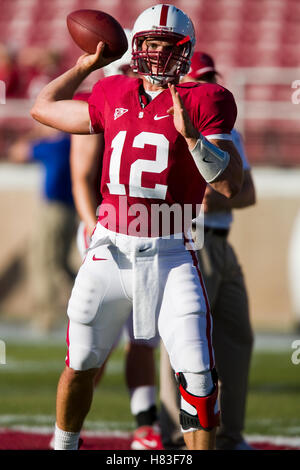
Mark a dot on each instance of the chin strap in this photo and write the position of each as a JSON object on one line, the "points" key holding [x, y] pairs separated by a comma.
{"points": [[158, 80]]}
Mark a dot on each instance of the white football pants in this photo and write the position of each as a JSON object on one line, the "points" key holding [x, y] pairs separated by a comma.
{"points": [[83, 241], [108, 284]]}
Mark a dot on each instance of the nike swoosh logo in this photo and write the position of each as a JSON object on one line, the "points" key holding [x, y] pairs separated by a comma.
{"points": [[207, 161], [157, 118], [99, 259]]}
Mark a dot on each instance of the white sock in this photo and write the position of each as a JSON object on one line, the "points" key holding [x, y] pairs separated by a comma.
{"points": [[64, 440], [142, 398], [200, 384]]}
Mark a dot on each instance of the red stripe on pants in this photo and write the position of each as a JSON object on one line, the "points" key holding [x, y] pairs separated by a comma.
{"points": [[68, 344], [208, 317]]}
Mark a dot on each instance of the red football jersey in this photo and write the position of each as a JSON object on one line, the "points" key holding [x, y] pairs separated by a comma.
{"points": [[82, 96], [147, 166]]}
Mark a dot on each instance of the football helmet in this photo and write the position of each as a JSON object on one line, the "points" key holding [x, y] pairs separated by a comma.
{"points": [[168, 23]]}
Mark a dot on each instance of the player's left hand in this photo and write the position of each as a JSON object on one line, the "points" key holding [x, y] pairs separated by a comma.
{"points": [[182, 121]]}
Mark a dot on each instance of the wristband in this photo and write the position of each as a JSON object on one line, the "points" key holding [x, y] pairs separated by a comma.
{"points": [[209, 159]]}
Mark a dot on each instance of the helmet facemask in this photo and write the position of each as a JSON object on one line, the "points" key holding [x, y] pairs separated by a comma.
{"points": [[161, 67]]}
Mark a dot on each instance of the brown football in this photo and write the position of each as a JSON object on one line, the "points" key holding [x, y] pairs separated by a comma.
{"points": [[88, 27]]}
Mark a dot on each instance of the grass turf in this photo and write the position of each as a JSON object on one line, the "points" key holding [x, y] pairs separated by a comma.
{"points": [[29, 379]]}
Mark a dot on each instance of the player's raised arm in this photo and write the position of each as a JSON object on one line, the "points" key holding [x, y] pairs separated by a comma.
{"points": [[54, 105], [218, 161]]}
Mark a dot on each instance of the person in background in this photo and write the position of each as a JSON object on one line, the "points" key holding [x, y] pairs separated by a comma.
{"points": [[36, 66], [9, 73], [225, 285], [50, 271]]}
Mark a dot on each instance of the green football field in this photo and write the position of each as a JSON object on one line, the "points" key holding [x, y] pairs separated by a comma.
{"points": [[29, 378]]}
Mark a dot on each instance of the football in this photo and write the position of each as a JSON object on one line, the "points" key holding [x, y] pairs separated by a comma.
{"points": [[88, 27]]}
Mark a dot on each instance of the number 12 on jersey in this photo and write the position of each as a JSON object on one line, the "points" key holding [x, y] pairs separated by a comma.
{"points": [[139, 166]]}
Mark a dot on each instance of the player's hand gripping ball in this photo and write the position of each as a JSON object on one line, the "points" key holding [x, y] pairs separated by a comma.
{"points": [[88, 27]]}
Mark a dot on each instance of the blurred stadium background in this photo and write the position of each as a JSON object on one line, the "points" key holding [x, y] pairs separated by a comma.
{"points": [[256, 47]]}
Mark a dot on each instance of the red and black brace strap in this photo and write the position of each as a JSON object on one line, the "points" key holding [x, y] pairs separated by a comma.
{"points": [[206, 417], [183, 41]]}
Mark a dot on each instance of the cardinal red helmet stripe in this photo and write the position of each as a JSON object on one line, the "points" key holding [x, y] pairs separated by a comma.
{"points": [[183, 41], [164, 15]]}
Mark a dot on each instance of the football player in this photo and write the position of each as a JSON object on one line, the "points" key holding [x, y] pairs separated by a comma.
{"points": [[139, 354], [163, 143]]}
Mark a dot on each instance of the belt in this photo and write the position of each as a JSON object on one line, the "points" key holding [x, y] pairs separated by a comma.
{"points": [[220, 232]]}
